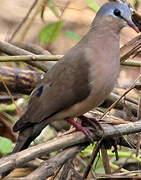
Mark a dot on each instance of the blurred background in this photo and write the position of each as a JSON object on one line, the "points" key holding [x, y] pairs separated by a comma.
{"points": [[73, 18], [55, 25], [76, 16]]}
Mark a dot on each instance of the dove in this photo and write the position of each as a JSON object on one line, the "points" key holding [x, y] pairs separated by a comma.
{"points": [[81, 80]]}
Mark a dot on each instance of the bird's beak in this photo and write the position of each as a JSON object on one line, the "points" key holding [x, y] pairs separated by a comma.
{"points": [[132, 25]]}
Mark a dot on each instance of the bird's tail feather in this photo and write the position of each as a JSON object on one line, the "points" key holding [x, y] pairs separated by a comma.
{"points": [[24, 139], [26, 136]]}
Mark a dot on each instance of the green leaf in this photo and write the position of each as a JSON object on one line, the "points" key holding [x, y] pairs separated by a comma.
{"points": [[72, 35], [93, 5], [50, 32], [6, 145], [51, 5]]}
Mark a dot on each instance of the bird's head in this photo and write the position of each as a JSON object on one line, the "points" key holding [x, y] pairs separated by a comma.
{"points": [[120, 12]]}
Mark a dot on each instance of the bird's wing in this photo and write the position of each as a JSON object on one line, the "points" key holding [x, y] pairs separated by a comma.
{"points": [[66, 84]]}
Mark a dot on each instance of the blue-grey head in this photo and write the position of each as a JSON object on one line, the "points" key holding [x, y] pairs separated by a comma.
{"points": [[119, 11]]}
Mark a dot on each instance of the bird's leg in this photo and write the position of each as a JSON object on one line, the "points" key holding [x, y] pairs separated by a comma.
{"points": [[78, 127], [91, 121]]}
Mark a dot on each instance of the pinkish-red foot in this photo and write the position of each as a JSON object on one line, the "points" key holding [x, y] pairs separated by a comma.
{"points": [[78, 127], [92, 121]]}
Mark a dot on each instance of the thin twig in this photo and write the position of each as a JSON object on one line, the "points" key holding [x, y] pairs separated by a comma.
{"points": [[33, 48], [130, 48], [10, 49], [105, 160], [56, 173], [23, 21], [93, 156], [9, 93], [30, 58], [131, 63], [65, 170], [30, 20]]}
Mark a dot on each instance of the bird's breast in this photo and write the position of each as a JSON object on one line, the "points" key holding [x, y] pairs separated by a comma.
{"points": [[101, 84], [102, 79]]}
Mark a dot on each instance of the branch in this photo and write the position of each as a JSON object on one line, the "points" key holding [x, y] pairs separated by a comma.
{"points": [[29, 58], [48, 168], [75, 138], [132, 63], [131, 48], [33, 48], [130, 103], [23, 21], [9, 49], [18, 80]]}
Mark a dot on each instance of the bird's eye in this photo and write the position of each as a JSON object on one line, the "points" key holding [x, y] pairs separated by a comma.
{"points": [[117, 12]]}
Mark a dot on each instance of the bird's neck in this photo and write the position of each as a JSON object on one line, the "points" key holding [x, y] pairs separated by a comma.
{"points": [[104, 37], [103, 24]]}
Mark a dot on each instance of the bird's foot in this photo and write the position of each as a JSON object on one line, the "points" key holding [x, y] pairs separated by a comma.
{"points": [[78, 127], [92, 121]]}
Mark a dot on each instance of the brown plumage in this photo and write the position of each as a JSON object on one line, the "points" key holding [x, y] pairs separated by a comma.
{"points": [[81, 80]]}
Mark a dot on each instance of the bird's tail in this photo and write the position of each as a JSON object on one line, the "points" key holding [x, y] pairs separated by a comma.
{"points": [[24, 139], [22, 143], [26, 136]]}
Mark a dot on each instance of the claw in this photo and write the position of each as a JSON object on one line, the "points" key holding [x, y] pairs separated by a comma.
{"points": [[87, 132], [78, 127], [91, 121]]}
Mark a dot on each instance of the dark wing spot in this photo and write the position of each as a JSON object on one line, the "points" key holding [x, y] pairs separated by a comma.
{"points": [[39, 91]]}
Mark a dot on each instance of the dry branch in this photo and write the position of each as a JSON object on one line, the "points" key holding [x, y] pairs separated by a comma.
{"points": [[131, 63], [53, 59], [23, 21], [130, 103], [12, 50], [130, 49], [75, 138], [48, 168], [33, 48], [30, 58], [18, 80]]}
